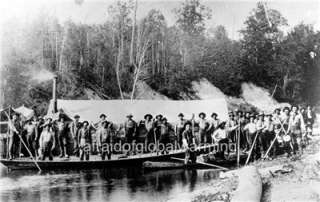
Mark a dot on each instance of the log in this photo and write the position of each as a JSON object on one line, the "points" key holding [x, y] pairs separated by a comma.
{"points": [[250, 185], [162, 165]]}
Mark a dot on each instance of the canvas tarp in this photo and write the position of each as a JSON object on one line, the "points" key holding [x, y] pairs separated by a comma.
{"points": [[25, 112], [117, 110]]}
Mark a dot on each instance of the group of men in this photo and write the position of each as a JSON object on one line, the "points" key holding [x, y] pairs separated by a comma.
{"points": [[286, 128]]}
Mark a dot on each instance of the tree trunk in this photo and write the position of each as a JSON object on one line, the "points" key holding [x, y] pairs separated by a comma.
{"points": [[133, 32]]}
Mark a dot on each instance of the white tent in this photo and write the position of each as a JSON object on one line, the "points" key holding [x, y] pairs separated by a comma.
{"points": [[117, 110], [24, 111]]}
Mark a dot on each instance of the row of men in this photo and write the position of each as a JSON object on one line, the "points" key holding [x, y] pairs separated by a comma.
{"points": [[42, 136]]}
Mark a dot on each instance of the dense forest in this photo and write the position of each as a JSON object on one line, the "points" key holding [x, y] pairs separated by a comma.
{"points": [[110, 58]]}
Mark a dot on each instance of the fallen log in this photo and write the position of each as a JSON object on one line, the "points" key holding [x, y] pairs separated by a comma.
{"points": [[162, 165], [250, 185]]}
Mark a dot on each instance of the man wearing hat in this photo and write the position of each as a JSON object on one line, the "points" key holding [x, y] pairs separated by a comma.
{"points": [[179, 128], [85, 141], [268, 132], [203, 126], [165, 129], [62, 127], [74, 128], [47, 140], [250, 130], [104, 140], [149, 125], [232, 126], [296, 126], [189, 143], [14, 132], [130, 127], [213, 125], [220, 136], [157, 127]]}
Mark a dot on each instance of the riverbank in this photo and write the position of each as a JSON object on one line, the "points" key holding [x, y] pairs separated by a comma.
{"points": [[284, 179]]}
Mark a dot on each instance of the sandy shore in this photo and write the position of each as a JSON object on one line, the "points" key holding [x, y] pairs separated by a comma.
{"points": [[295, 179]]}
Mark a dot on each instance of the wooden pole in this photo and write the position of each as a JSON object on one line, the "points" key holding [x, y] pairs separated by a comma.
{"points": [[206, 164], [238, 146], [273, 141], [21, 140], [254, 142]]}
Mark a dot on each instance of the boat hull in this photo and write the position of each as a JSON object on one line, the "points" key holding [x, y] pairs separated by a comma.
{"points": [[134, 160]]}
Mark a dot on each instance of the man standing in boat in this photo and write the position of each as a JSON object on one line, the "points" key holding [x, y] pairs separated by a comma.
{"points": [[213, 125], [189, 143], [85, 141], [30, 128], [74, 129], [165, 129], [130, 127], [104, 140], [203, 126], [232, 126], [179, 129], [14, 132], [149, 125], [62, 130], [157, 124], [47, 140], [250, 130], [220, 136]]}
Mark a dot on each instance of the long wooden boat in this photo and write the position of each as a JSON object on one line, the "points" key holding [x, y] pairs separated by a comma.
{"points": [[96, 162]]}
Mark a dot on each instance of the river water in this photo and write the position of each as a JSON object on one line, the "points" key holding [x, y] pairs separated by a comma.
{"points": [[100, 185]]}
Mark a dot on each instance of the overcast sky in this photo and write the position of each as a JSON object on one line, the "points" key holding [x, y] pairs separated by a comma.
{"points": [[230, 13]]}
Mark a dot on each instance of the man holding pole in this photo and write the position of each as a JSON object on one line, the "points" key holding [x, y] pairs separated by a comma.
{"points": [[14, 132]]}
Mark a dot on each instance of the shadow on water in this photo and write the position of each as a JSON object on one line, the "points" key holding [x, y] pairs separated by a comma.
{"points": [[125, 184]]}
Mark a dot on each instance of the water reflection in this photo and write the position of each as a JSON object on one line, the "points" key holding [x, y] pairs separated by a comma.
{"points": [[100, 185]]}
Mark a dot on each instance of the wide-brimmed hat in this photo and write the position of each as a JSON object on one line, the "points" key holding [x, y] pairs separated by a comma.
{"points": [[180, 115], [102, 115], [214, 114], [187, 123], [202, 113], [148, 115], [159, 115], [286, 108], [76, 116], [129, 116], [222, 124]]}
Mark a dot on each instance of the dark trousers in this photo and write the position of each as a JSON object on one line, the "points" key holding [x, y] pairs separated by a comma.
{"points": [[12, 146], [31, 144], [130, 135], [62, 144], [249, 137], [164, 139], [84, 153], [179, 136], [203, 136], [75, 146], [223, 146], [190, 155], [105, 150], [46, 151]]}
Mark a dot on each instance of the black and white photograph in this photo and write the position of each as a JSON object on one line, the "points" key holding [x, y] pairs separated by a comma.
{"points": [[160, 101]]}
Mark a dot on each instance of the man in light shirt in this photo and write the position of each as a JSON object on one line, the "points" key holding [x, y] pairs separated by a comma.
{"points": [[250, 130]]}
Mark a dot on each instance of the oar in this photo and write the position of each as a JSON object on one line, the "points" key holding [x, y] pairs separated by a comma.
{"points": [[21, 140], [250, 151], [203, 163]]}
